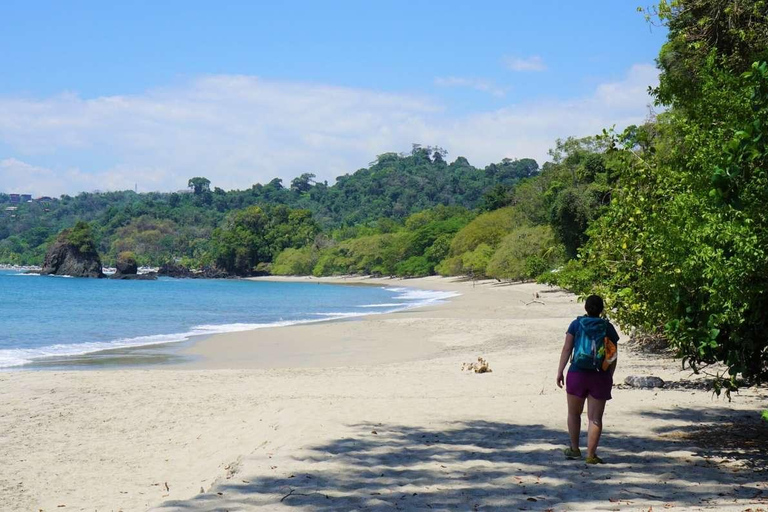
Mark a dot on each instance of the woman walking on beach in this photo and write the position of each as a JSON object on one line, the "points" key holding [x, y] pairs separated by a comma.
{"points": [[590, 343]]}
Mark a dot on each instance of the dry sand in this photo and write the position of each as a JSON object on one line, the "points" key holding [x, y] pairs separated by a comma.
{"points": [[375, 414]]}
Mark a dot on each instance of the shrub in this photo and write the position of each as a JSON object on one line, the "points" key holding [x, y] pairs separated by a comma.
{"points": [[80, 236], [474, 263], [525, 253], [295, 262], [450, 266], [488, 228], [415, 266], [573, 276]]}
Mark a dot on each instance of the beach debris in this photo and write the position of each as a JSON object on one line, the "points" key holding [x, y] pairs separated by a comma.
{"points": [[166, 487], [535, 300], [636, 381], [481, 366], [294, 493]]}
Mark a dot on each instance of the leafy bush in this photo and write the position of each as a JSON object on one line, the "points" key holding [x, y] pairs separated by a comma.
{"points": [[331, 262], [295, 262], [415, 266], [450, 266], [256, 235], [487, 228], [574, 276], [683, 246], [474, 263], [80, 236], [525, 253]]}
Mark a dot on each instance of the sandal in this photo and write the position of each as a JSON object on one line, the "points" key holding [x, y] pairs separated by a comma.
{"points": [[571, 453], [594, 460]]}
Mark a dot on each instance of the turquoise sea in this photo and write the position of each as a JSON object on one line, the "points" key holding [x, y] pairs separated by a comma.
{"points": [[43, 317]]}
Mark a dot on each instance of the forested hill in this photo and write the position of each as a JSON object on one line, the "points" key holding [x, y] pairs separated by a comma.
{"points": [[163, 225]]}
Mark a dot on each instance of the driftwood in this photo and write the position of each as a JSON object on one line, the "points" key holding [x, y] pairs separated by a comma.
{"points": [[535, 300]]}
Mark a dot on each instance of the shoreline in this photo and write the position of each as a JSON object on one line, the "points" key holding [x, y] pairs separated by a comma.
{"points": [[343, 345], [151, 353], [384, 417]]}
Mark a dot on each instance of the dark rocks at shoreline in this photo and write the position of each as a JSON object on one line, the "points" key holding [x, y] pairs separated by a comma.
{"points": [[65, 259], [182, 272], [174, 270], [126, 265], [126, 268], [149, 276]]}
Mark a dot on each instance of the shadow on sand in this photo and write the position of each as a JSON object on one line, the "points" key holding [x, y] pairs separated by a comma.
{"points": [[489, 466]]}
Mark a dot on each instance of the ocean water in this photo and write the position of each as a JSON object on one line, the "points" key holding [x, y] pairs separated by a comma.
{"points": [[44, 316]]}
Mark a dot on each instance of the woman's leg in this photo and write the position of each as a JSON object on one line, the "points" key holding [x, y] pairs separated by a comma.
{"points": [[575, 408], [595, 410]]}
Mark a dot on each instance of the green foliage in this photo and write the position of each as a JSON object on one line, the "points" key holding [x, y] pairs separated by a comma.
{"points": [[415, 266], [80, 236], [525, 253], [199, 185], [730, 34], [498, 197], [578, 188], [153, 241], [474, 263], [683, 246], [764, 415], [373, 200], [450, 266], [295, 262], [573, 276], [487, 228], [255, 235], [127, 258], [411, 249], [331, 262]]}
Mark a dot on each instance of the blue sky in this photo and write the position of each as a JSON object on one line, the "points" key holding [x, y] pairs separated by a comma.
{"points": [[101, 95]]}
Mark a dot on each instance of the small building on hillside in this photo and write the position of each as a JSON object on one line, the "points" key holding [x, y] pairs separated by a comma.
{"points": [[26, 198], [15, 198]]}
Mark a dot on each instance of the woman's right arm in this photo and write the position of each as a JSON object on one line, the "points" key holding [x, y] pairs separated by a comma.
{"points": [[564, 356]]}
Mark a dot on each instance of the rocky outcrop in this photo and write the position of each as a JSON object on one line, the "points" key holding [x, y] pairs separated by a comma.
{"points": [[149, 276], [180, 271], [174, 270], [66, 259], [127, 268], [126, 265]]}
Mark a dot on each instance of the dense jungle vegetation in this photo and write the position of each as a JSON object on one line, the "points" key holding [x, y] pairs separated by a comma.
{"points": [[667, 220]]}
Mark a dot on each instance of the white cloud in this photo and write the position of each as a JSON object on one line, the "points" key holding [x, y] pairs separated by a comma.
{"points": [[532, 63], [477, 84], [17, 176], [239, 130]]}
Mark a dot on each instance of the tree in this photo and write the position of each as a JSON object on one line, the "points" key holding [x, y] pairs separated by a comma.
{"points": [[199, 185], [256, 235], [81, 237], [683, 247], [525, 253], [303, 183]]}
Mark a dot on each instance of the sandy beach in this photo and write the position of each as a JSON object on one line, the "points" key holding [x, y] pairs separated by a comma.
{"points": [[376, 413]]}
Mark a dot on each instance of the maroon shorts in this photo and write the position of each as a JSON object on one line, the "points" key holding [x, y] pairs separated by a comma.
{"points": [[595, 384]]}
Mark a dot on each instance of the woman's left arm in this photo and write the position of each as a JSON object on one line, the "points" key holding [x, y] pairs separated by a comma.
{"points": [[564, 355]]}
